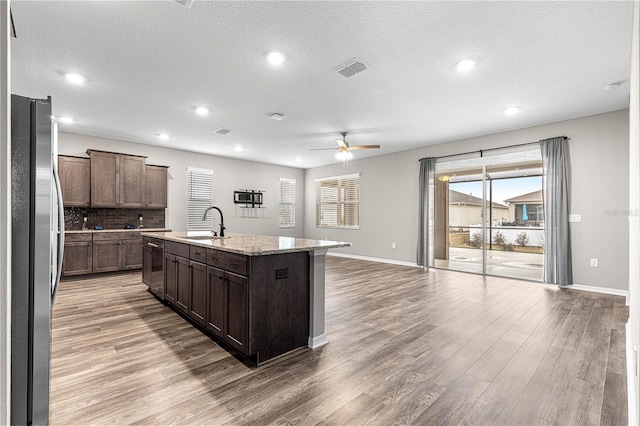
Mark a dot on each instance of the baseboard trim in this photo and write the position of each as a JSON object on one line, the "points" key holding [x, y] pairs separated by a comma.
{"points": [[374, 259], [631, 383], [603, 290], [318, 341]]}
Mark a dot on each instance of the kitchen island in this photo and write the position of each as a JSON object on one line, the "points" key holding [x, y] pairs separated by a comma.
{"points": [[262, 295]]}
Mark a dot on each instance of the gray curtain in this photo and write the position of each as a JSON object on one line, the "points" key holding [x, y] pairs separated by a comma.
{"points": [[557, 242], [427, 167]]}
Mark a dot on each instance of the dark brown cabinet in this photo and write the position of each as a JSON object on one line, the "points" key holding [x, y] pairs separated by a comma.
{"points": [[75, 180], [78, 254], [170, 278], [117, 180], [227, 313], [198, 292], [258, 305], [155, 187], [117, 251]]}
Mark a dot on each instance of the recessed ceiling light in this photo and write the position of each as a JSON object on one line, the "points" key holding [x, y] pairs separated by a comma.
{"points": [[276, 58], [202, 110], [298, 160], [75, 78], [277, 116], [465, 65], [67, 120], [238, 148], [163, 136], [512, 110]]}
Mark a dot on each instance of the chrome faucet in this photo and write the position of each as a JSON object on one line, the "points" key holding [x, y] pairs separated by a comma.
{"points": [[222, 228]]}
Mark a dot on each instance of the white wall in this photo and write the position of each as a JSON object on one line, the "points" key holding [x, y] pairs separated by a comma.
{"points": [[633, 327], [5, 216], [229, 175], [599, 177]]}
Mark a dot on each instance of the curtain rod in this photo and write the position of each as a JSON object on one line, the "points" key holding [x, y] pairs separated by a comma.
{"points": [[490, 149]]}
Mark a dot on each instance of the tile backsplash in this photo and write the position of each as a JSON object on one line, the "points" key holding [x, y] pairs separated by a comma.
{"points": [[113, 218]]}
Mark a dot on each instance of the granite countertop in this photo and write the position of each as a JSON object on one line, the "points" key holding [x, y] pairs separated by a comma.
{"points": [[248, 244], [80, 231]]}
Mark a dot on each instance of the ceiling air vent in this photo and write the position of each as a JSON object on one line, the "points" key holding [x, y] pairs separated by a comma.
{"points": [[221, 131], [350, 68], [185, 3]]}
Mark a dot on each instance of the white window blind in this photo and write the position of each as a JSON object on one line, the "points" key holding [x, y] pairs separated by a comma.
{"points": [[287, 209], [338, 201], [200, 193]]}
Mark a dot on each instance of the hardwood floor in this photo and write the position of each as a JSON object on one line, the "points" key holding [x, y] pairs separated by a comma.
{"points": [[406, 346]]}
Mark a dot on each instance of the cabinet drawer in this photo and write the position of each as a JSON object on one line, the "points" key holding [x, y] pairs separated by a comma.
{"points": [[76, 238], [198, 254], [178, 249], [108, 236], [228, 261]]}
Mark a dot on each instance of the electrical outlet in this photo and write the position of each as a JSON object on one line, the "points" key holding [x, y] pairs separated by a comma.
{"points": [[393, 245], [575, 218], [594, 263]]}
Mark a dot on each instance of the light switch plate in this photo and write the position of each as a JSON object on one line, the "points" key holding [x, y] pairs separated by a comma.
{"points": [[575, 218]]}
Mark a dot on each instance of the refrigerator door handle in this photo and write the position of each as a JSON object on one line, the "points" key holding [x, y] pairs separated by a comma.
{"points": [[56, 178]]}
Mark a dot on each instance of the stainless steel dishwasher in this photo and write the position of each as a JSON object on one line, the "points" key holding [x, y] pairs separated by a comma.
{"points": [[152, 266]]}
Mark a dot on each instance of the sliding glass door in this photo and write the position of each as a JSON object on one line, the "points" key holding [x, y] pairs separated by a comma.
{"points": [[488, 216]]}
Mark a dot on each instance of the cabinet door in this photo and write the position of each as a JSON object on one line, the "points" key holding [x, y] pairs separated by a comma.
{"points": [[198, 292], [75, 180], [77, 258], [170, 278], [131, 256], [105, 185], [131, 179], [147, 265], [216, 301], [106, 256], [156, 187], [182, 286], [237, 315]]}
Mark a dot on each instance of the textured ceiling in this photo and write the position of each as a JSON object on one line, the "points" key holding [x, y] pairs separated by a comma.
{"points": [[149, 64]]}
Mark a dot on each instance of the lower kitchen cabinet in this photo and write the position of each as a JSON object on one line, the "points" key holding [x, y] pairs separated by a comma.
{"points": [[227, 313], [170, 278], [116, 251], [182, 284], [78, 255], [198, 292]]}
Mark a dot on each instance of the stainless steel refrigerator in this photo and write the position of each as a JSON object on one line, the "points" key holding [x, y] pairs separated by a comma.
{"points": [[37, 226]]}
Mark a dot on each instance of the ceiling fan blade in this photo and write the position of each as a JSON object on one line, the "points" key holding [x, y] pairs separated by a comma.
{"points": [[323, 149], [364, 147]]}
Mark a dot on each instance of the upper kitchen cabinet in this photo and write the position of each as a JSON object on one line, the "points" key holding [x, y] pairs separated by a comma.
{"points": [[156, 187], [75, 180], [117, 180]]}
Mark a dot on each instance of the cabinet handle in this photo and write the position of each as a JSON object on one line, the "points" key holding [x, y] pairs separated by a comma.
{"points": [[236, 264]]}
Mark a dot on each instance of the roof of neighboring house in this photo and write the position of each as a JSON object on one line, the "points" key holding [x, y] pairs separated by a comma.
{"points": [[535, 196], [456, 197]]}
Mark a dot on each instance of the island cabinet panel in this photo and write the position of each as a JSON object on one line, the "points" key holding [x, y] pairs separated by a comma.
{"points": [[183, 281], [237, 314], [78, 254], [216, 301], [170, 278], [75, 180], [279, 300], [155, 187], [198, 292]]}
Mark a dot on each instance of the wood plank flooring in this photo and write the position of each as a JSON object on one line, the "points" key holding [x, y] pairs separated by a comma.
{"points": [[406, 346]]}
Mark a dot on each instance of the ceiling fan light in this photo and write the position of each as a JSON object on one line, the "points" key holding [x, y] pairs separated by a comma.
{"points": [[344, 155]]}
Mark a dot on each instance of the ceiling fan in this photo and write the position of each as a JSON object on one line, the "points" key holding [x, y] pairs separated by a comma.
{"points": [[344, 149]]}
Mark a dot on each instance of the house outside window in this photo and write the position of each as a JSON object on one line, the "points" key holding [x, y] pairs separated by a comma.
{"points": [[338, 202], [287, 206], [200, 198]]}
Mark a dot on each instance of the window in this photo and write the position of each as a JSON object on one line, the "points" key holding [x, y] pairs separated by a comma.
{"points": [[200, 198], [338, 201], [287, 203]]}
